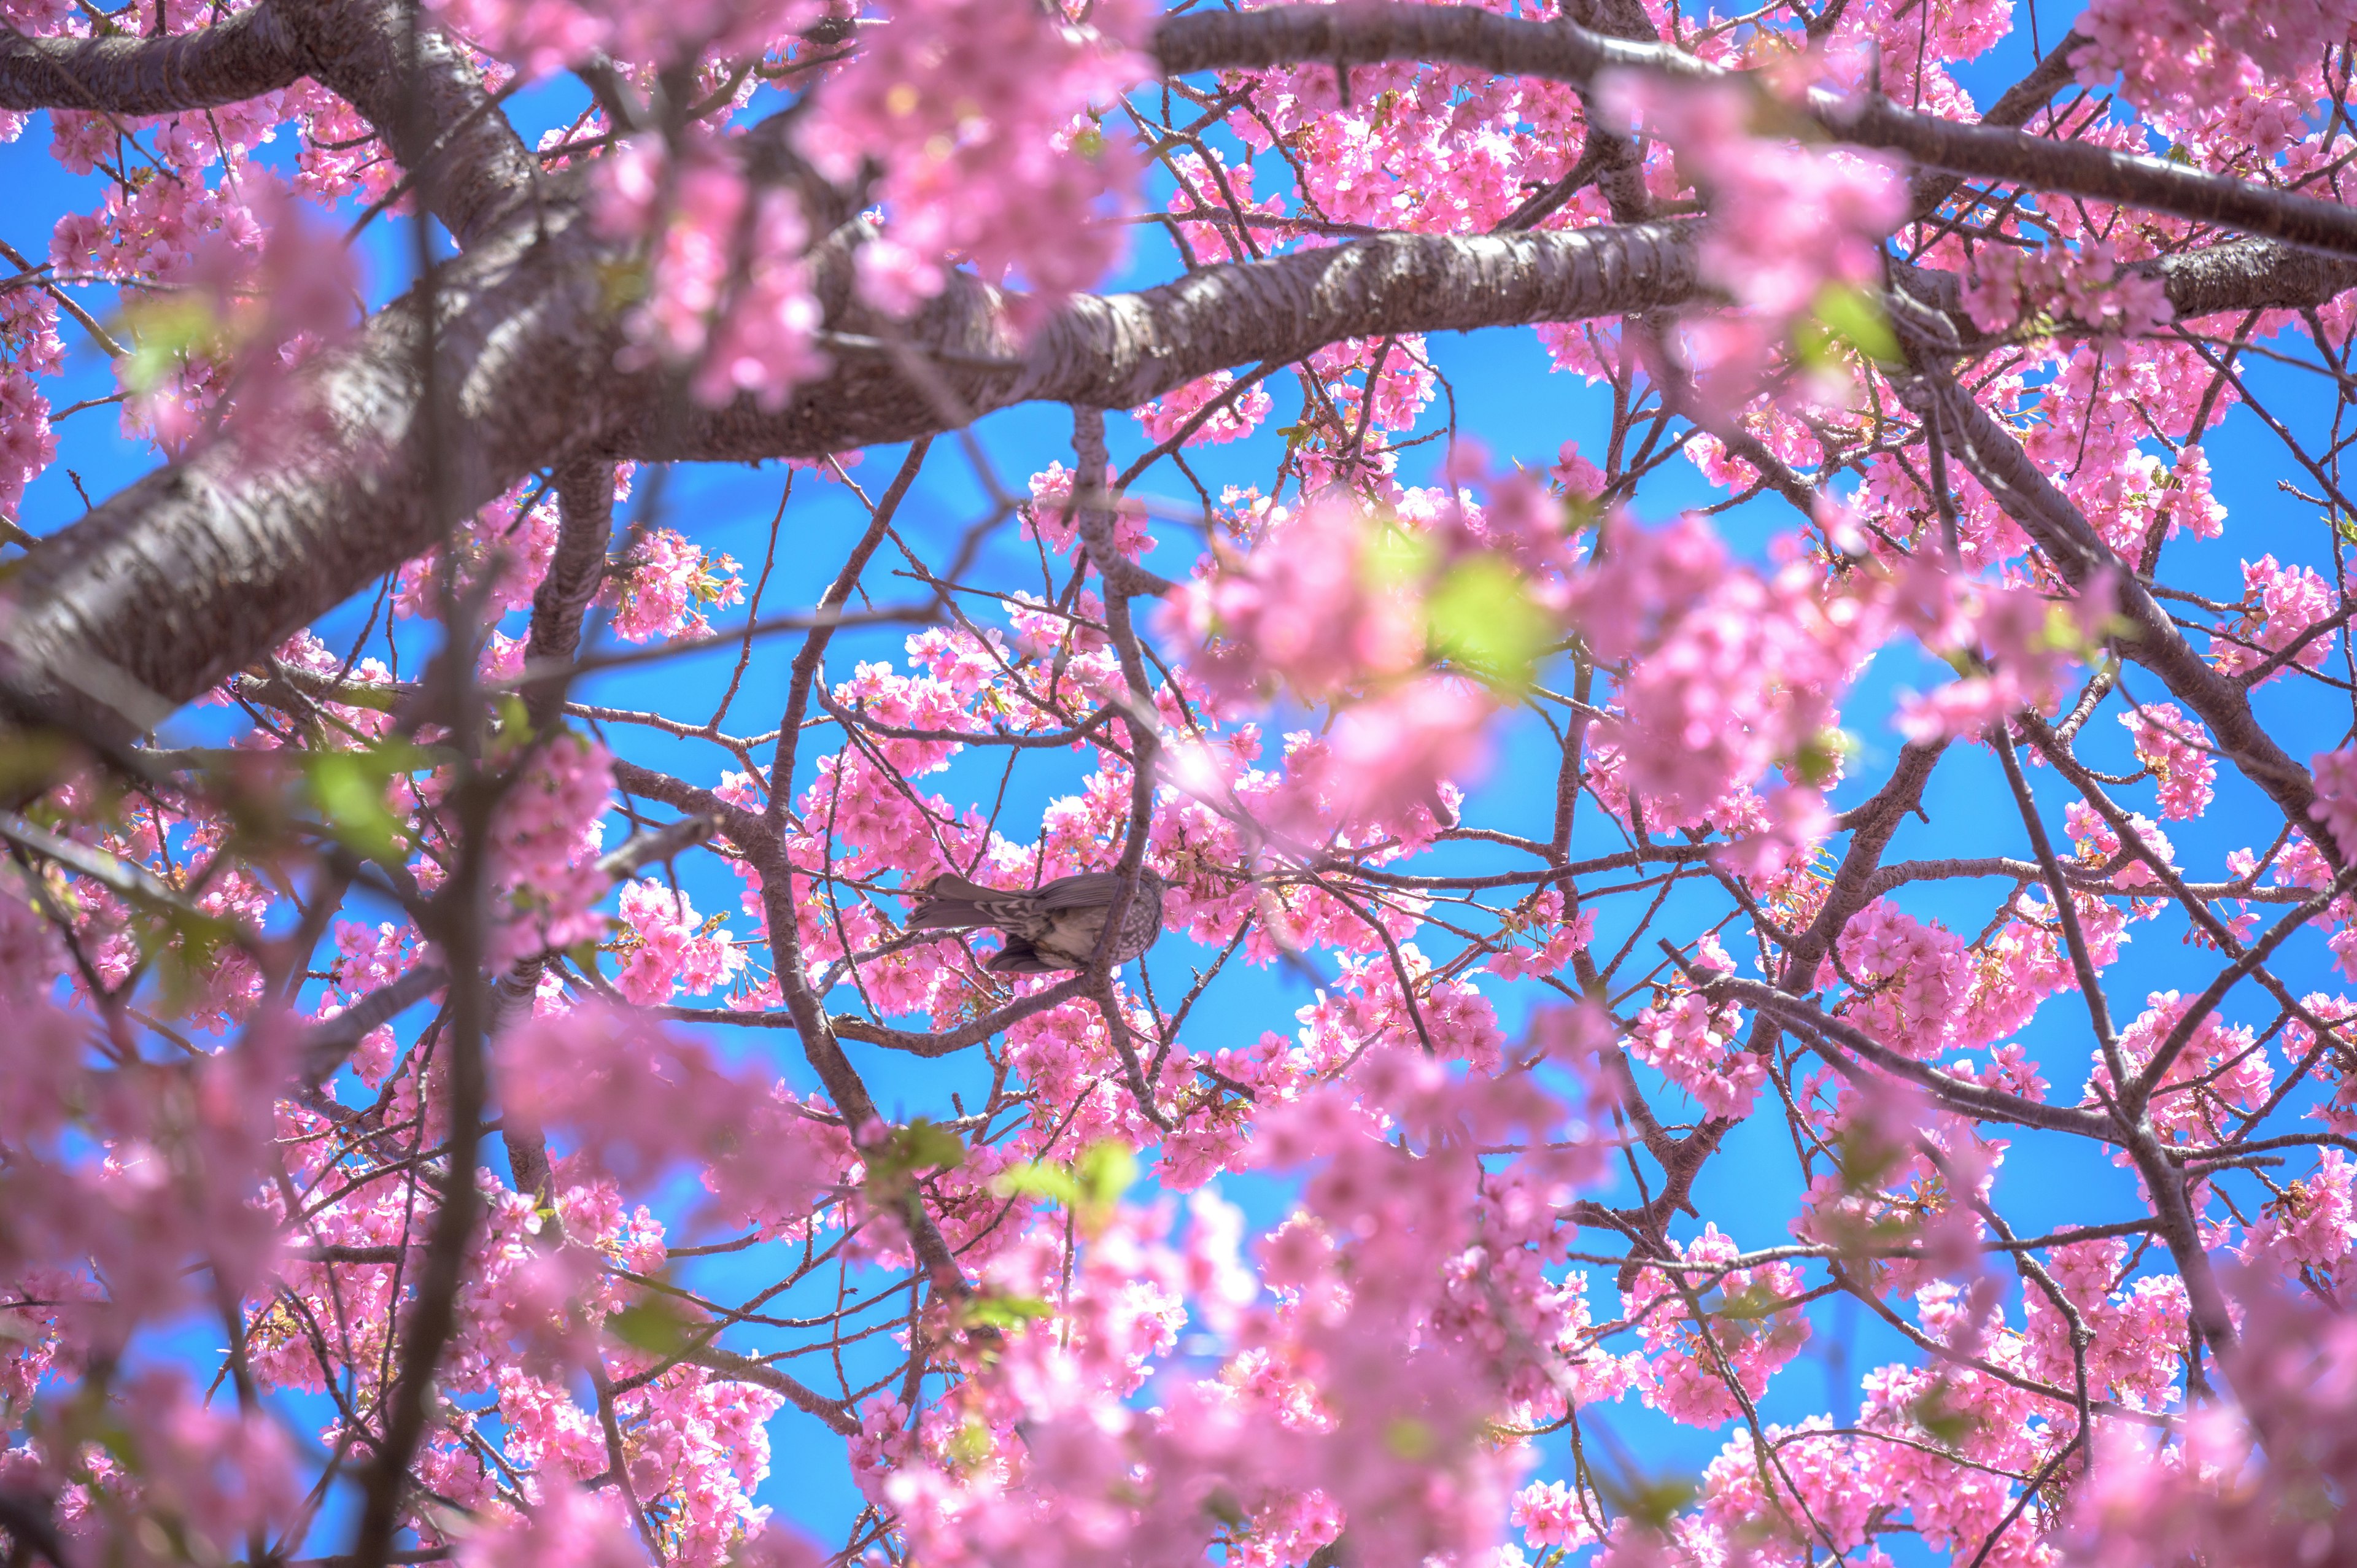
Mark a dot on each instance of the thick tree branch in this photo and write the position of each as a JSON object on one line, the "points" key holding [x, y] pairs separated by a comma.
{"points": [[476, 169], [585, 500], [2231, 278], [202, 567], [743, 827], [199, 569], [1119, 350], [2249, 275], [324, 1045], [251, 53], [2012, 107], [1561, 51], [446, 129], [1366, 32]]}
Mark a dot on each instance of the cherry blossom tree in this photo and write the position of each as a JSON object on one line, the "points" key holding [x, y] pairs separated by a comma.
{"points": [[364, 1032]]}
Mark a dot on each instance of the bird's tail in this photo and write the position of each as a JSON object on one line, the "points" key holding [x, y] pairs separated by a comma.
{"points": [[952, 903]]}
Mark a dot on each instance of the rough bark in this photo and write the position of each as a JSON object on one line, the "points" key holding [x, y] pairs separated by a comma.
{"points": [[585, 501], [440, 121], [2250, 275], [1118, 350], [1564, 51], [1366, 32], [2232, 278], [2090, 172], [199, 569], [204, 565], [463, 157], [252, 53], [2013, 106]]}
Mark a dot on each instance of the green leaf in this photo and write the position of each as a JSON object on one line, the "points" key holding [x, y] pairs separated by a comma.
{"points": [[654, 1325], [349, 787], [186, 949], [972, 1445], [109, 1433], [1398, 559], [1865, 1156], [1481, 613], [1651, 1501], [1850, 316], [1089, 1186], [1409, 1439], [359, 694], [1750, 1304], [514, 719], [1656, 1502], [922, 1146], [621, 284], [165, 330], [1938, 1413], [351, 795], [1036, 1180], [30, 761], [1003, 1312], [919, 1147], [1821, 755], [1105, 1171], [2063, 632]]}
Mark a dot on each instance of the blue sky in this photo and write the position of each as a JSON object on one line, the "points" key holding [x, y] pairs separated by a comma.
{"points": [[1505, 395]]}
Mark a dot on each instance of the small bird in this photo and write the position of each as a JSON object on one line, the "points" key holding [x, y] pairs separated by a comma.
{"points": [[1050, 928]]}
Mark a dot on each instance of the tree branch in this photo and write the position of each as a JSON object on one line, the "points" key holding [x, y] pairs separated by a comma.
{"points": [[202, 567], [1562, 51], [585, 500], [251, 53], [2078, 553], [1119, 350], [733, 1367], [444, 126], [2012, 107], [950, 1041]]}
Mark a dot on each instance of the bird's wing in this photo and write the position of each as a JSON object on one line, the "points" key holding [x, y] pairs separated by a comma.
{"points": [[949, 884], [1089, 889], [1019, 957]]}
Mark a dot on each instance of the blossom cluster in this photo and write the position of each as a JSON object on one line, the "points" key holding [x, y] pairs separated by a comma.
{"points": [[1531, 850]]}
